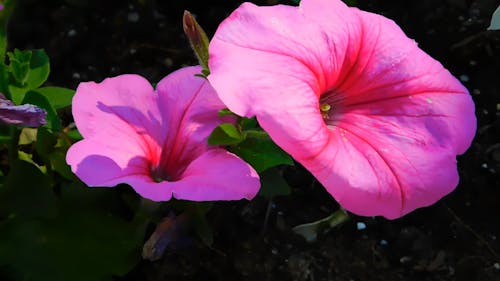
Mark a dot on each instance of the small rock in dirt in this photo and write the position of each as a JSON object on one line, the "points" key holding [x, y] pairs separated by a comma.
{"points": [[360, 225]]}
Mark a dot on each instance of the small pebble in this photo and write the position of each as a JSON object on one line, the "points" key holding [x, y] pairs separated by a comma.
{"points": [[360, 225], [464, 78], [384, 242], [476, 92], [76, 75], [71, 33], [274, 251], [497, 266], [133, 17], [405, 259]]}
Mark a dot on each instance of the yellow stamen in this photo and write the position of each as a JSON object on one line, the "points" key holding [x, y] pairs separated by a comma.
{"points": [[324, 107]]}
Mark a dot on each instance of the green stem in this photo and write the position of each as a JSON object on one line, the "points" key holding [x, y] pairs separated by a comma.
{"points": [[14, 140]]}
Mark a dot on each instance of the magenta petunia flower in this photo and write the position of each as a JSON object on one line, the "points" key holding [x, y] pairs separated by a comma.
{"points": [[375, 119], [156, 140]]}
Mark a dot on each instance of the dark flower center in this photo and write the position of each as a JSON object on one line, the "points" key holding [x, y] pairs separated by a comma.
{"points": [[158, 174]]}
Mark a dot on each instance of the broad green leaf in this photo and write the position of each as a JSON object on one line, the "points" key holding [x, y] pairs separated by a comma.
{"points": [[35, 98], [58, 163], [248, 123], [17, 93], [225, 134], [273, 184], [87, 241], [21, 155], [75, 135], [262, 153], [58, 97], [45, 142], [27, 136], [39, 69], [26, 193]]}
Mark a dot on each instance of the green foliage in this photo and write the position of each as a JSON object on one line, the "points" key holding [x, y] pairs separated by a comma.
{"points": [[86, 240], [26, 193], [311, 230], [28, 70], [58, 97], [261, 153], [225, 134], [249, 142], [273, 184]]}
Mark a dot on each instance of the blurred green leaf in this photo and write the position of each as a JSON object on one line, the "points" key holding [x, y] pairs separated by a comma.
{"points": [[19, 65], [45, 142], [35, 98], [58, 97], [85, 242], [58, 163], [262, 153], [198, 216], [273, 184], [26, 193], [8, 6], [311, 230], [225, 134], [75, 135]]}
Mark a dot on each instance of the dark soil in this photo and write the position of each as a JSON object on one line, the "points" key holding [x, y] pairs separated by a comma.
{"points": [[456, 239]]}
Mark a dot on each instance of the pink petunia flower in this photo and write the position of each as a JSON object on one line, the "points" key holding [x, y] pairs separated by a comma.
{"points": [[375, 119], [156, 140]]}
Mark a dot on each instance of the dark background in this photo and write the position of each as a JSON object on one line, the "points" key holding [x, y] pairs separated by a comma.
{"points": [[456, 239]]}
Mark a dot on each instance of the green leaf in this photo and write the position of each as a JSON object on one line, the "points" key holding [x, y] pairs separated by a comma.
{"points": [[58, 163], [311, 230], [75, 135], [35, 98], [86, 241], [27, 136], [39, 69], [45, 142], [262, 153], [58, 97], [273, 184], [225, 134], [17, 93], [30, 69], [19, 65], [26, 193], [225, 112]]}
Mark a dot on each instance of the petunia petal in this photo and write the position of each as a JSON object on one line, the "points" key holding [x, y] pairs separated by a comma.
{"points": [[100, 162], [190, 107], [398, 119], [121, 109], [217, 175]]}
